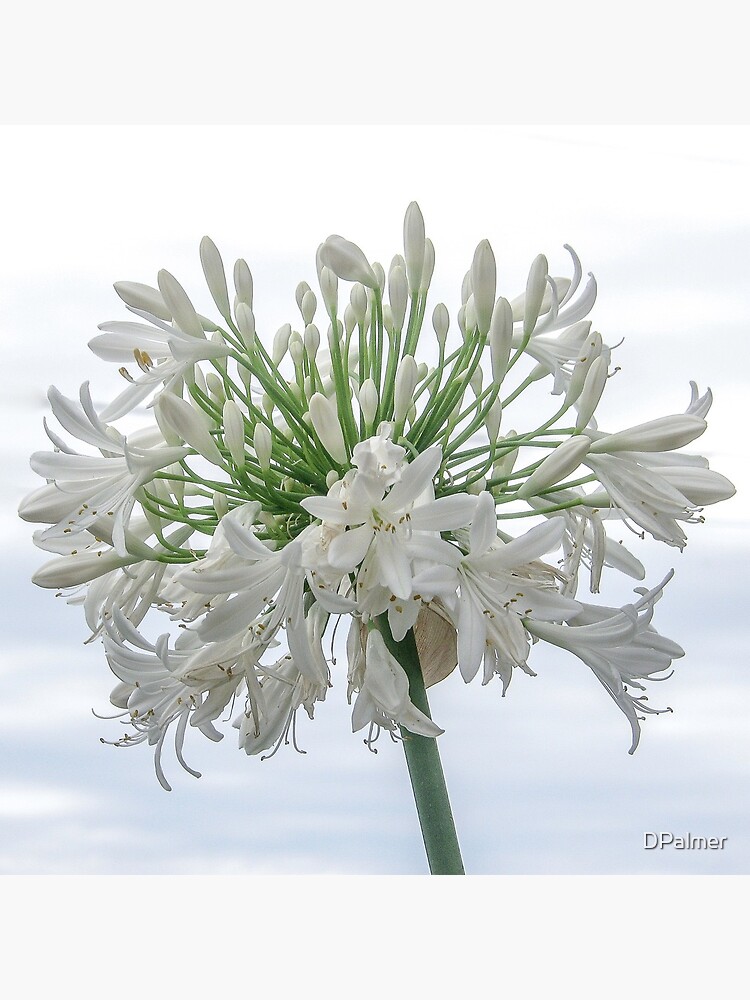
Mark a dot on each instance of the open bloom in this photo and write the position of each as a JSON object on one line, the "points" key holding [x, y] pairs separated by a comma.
{"points": [[356, 466]]}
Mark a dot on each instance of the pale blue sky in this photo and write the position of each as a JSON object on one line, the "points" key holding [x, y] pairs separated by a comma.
{"points": [[541, 781]]}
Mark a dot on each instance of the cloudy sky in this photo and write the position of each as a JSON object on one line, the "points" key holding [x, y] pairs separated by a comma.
{"points": [[541, 781]]}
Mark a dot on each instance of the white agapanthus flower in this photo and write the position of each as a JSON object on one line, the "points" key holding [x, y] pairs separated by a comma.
{"points": [[354, 464]]}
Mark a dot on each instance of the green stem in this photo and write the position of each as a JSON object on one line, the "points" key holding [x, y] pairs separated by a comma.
{"points": [[425, 769]]}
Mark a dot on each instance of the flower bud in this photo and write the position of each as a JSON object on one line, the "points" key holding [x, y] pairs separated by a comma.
{"points": [[325, 421], [428, 267], [470, 316], [414, 246], [593, 387], [234, 432], [492, 420], [368, 401], [590, 350], [535, 288], [263, 443], [662, 434], [215, 388], [220, 504], [311, 340], [347, 261], [474, 489], [243, 283], [406, 383], [300, 292], [358, 300], [398, 294], [560, 463], [350, 320], [213, 269], [461, 320], [182, 309], [483, 283], [466, 288], [73, 570], [440, 323], [380, 275], [281, 343], [192, 425], [504, 465], [245, 324], [296, 349], [387, 317], [476, 381], [144, 297], [308, 307], [501, 337], [329, 289]]}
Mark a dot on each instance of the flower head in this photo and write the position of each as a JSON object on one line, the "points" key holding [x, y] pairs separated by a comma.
{"points": [[356, 466]]}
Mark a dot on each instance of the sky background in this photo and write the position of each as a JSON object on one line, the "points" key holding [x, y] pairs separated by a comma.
{"points": [[541, 781]]}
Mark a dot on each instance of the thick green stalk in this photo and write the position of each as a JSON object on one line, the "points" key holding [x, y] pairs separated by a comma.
{"points": [[425, 769]]}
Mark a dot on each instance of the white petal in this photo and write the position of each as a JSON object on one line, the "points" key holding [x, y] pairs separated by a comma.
{"points": [[534, 543], [484, 526], [348, 549], [415, 478], [444, 514]]}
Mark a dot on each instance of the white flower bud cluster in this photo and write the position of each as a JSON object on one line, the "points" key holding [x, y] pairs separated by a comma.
{"points": [[356, 466]]}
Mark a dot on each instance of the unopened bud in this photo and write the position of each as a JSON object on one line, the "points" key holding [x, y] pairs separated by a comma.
{"points": [[470, 315], [243, 283], [350, 320], [380, 275], [299, 293], [593, 387], [501, 338], [535, 288], [483, 283], [213, 269], [590, 350], [311, 340], [492, 420], [441, 322], [414, 246], [358, 300], [308, 307], [560, 463], [245, 324], [347, 261], [221, 505], [190, 424], [406, 383], [281, 343], [398, 294], [215, 388], [474, 489], [234, 432], [325, 421], [329, 289], [662, 434], [296, 349], [263, 444], [368, 401], [428, 266]]}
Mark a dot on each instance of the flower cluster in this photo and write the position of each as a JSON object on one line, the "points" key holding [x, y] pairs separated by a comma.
{"points": [[280, 486]]}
